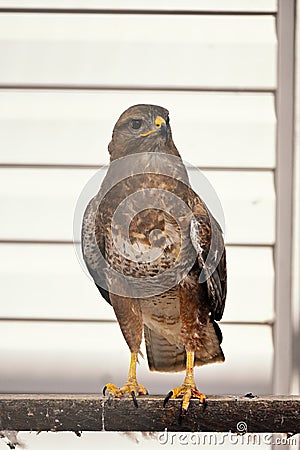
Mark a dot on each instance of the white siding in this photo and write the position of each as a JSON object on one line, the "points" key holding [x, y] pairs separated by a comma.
{"points": [[60, 357], [210, 129], [187, 5], [213, 51], [38, 204], [47, 281]]}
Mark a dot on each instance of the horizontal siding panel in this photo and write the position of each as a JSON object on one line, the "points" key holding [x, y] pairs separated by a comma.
{"points": [[51, 284], [245, 302], [248, 201], [210, 51], [80, 358], [209, 129], [39, 204], [194, 5], [47, 281]]}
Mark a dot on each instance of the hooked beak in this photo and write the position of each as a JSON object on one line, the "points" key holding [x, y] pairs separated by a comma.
{"points": [[159, 121]]}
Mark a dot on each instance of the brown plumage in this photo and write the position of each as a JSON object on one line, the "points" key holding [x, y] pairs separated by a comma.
{"points": [[156, 253]]}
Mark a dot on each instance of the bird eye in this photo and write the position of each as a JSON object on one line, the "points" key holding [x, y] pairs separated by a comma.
{"points": [[136, 124]]}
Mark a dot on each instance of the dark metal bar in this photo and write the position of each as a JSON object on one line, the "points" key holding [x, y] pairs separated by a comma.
{"points": [[79, 413]]}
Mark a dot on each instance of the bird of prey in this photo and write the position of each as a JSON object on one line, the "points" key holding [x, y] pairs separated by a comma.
{"points": [[156, 254]]}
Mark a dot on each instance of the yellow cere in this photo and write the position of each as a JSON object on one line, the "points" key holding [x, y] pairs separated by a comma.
{"points": [[158, 121]]}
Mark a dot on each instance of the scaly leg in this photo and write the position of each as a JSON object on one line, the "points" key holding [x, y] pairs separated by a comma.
{"points": [[131, 387], [188, 388]]}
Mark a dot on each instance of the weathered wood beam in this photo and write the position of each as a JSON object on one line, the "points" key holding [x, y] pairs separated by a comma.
{"points": [[95, 413]]}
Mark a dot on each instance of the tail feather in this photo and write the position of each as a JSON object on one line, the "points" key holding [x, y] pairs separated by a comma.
{"points": [[163, 356]]}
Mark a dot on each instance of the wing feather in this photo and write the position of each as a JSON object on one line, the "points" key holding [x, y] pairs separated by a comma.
{"points": [[207, 239], [93, 244]]}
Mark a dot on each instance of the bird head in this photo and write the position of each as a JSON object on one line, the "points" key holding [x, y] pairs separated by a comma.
{"points": [[142, 128]]}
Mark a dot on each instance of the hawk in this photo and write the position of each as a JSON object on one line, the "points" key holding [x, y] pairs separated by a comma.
{"points": [[156, 254]]}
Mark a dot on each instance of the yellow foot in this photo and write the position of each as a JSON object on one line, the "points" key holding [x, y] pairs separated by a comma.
{"points": [[188, 391], [130, 387]]}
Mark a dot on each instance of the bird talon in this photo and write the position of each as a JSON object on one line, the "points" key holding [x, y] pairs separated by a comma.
{"points": [[131, 388], [167, 397], [187, 391], [141, 390], [202, 397], [112, 389], [132, 394]]}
